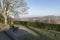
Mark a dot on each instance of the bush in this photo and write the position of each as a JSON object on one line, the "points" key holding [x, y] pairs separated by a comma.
{"points": [[39, 25]]}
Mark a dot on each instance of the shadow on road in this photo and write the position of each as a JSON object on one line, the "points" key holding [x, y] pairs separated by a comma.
{"points": [[3, 36]]}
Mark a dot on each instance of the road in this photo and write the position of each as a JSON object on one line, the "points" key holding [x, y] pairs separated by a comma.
{"points": [[3, 36]]}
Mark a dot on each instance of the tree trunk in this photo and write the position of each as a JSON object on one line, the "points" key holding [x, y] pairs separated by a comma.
{"points": [[5, 17]]}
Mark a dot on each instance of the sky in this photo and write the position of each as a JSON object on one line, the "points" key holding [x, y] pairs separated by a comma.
{"points": [[42, 8]]}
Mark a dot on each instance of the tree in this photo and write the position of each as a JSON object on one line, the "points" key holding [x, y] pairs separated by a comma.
{"points": [[12, 7], [1, 18]]}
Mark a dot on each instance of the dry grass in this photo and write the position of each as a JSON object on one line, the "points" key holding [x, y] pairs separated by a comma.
{"points": [[3, 26]]}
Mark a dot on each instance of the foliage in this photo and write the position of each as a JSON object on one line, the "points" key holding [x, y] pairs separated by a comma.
{"points": [[46, 26], [1, 18], [12, 8]]}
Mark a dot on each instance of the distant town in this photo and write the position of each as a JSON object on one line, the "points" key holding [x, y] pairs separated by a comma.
{"points": [[44, 19]]}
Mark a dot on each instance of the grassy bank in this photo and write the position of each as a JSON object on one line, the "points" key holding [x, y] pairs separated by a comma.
{"points": [[40, 34], [47, 26]]}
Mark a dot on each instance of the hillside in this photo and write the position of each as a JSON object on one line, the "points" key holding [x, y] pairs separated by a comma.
{"points": [[44, 19]]}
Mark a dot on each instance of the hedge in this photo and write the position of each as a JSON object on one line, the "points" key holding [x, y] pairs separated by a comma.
{"points": [[46, 26]]}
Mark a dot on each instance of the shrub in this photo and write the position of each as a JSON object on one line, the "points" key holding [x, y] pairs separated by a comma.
{"points": [[39, 25]]}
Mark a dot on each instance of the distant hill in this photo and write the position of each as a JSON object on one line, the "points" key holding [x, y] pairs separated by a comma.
{"points": [[44, 19]]}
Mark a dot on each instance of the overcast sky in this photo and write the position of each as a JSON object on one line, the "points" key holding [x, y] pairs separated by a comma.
{"points": [[42, 8]]}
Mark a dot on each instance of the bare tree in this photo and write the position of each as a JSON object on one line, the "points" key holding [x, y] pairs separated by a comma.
{"points": [[13, 7]]}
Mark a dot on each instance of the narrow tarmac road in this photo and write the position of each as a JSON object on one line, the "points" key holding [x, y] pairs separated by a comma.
{"points": [[3, 36]]}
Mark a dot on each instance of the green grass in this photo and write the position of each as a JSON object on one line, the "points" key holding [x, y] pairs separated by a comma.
{"points": [[40, 34], [33, 37]]}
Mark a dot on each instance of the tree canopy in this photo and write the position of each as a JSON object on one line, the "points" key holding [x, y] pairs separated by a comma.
{"points": [[13, 7]]}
